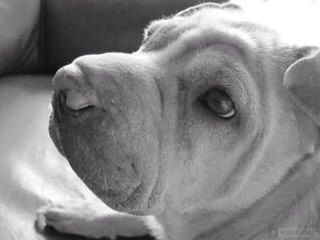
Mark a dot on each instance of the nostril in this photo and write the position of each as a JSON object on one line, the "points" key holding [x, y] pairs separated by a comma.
{"points": [[61, 98], [79, 100], [73, 93], [61, 106], [68, 101]]}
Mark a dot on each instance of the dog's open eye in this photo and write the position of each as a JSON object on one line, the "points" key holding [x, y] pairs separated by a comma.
{"points": [[219, 102]]}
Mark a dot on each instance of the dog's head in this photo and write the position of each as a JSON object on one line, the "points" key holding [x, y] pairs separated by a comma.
{"points": [[212, 110]]}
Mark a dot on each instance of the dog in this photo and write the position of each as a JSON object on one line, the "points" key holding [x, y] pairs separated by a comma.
{"points": [[209, 131]]}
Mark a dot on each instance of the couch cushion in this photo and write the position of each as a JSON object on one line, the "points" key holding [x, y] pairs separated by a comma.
{"points": [[19, 24], [43, 35], [78, 27], [32, 172]]}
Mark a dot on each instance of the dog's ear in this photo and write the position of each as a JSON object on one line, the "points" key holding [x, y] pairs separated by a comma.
{"points": [[302, 79]]}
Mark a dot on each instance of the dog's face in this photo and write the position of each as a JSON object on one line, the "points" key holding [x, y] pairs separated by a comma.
{"points": [[198, 116]]}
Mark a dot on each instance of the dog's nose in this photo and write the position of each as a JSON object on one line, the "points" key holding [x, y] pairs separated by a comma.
{"points": [[71, 90]]}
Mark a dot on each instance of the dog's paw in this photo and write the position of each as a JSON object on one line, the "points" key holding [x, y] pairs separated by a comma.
{"points": [[90, 220], [82, 219]]}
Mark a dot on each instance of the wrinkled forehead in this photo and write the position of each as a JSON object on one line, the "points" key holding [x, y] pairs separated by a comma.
{"points": [[181, 35]]}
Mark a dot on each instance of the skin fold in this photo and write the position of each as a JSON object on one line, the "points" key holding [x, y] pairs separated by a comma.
{"points": [[134, 128]]}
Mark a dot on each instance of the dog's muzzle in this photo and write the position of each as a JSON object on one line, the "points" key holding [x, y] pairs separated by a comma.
{"points": [[107, 128]]}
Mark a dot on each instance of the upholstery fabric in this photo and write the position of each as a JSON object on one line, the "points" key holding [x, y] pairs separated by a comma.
{"points": [[78, 27], [42, 35], [19, 35], [31, 174]]}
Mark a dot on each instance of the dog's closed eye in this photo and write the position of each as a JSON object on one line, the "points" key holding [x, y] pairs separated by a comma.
{"points": [[219, 102]]}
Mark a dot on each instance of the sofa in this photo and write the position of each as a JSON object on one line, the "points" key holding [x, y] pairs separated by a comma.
{"points": [[36, 38]]}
